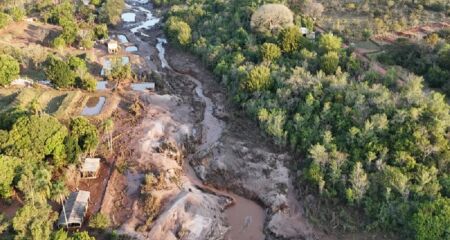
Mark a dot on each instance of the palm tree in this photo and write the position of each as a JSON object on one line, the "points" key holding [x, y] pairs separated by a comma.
{"points": [[108, 128], [59, 194]]}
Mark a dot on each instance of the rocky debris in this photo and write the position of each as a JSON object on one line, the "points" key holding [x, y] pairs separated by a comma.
{"points": [[255, 173], [194, 215]]}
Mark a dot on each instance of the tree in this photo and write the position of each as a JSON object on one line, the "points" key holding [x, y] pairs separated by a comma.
{"points": [[86, 133], [290, 39], [119, 72], [432, 220], [270, 52], [99, 221], [179, 30], [59, 73], [329, 62], [272, 18], [312, 8], [330, 43], [34, 222], [108, 128], [258, 79], [9, 69], [35, 183], [35, 138], [59, 193], [359, 181], [111, 10], [8, 166]]}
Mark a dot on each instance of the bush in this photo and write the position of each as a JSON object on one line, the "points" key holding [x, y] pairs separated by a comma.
{"points": [[179, 30], [4, 19], [17, 14], [329, 62], [432, 221], [270, 52], [9, 69], [258, 79], [272, 18], [59, 43], [99, 221], [101, 31], [59, 73]]}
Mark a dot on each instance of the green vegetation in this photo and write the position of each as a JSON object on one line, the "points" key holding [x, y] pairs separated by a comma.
{"points": [[430, 58], [99, 221], [368, 142], [9, 69], [66, 74], [32, 149]]}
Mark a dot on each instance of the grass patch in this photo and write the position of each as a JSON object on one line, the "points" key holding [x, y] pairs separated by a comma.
{"points": [[6, 99], [367, 45]]}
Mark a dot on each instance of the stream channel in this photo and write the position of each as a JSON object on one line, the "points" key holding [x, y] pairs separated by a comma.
{"points": [[245, 217]]}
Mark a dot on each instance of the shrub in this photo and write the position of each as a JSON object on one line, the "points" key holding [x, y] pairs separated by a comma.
{"points": [[9, 69], [99, 221], [59, 43], [329, 62], [59, 73], [270, 52], [17, 13], [4, 19], [258, 79], [179, 30]]}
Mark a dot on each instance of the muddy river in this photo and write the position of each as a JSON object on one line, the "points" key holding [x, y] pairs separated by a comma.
{"points": [[245, 217]]}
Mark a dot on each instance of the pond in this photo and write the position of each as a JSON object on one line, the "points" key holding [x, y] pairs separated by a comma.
{"points": [[101, 85], [107, 65], [122, 38], [93, 106], [131, 49], [129, 17], [142, 87]]}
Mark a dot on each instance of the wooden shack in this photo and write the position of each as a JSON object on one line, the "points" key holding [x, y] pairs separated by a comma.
{"points": [[90, 168], [74, 211]]}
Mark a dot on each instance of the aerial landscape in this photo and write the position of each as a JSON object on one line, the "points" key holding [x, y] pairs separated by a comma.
{"points": [[224, 119]]}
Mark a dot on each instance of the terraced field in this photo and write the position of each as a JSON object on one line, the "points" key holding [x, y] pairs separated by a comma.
{"points": [[61, 104]]}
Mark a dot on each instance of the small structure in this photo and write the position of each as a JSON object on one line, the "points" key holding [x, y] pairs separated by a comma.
{"points": [[90, 167], [74, 211], [113, 46], [307, 34]]}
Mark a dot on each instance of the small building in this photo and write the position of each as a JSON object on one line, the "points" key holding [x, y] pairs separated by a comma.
{"points": [[74, 211], [307, 34], [90, 168], [113, 46]]}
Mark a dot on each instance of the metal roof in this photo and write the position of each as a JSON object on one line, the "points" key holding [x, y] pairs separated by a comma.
{"points": [[91, 165], [76, 206]]}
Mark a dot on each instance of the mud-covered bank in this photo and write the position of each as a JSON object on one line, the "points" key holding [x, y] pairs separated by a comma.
{"points": [[246, 162]]}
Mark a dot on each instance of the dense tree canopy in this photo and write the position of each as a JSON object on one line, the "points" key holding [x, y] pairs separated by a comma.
{"points": [[35, 138], [368, 142]]}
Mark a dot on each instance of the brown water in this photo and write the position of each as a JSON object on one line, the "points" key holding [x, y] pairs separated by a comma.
{"points": [[245, 217], [93, 106]]}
